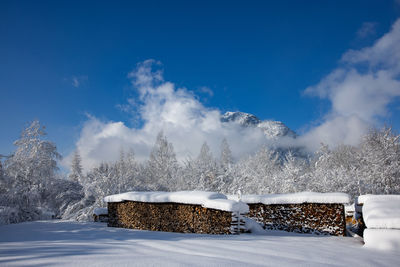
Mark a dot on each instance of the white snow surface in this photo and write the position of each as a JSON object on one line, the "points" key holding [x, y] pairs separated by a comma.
{"points": [[349, 209], [363, 198], [186, 197], [210, 200], [297, 198], [226, 205], [384, 239], [382, 212], [67, 243], [100, 211]]}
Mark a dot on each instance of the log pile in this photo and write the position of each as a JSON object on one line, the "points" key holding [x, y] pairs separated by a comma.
{"points": [[168, 217], [301, 218], [100, 218], [359, 226]]}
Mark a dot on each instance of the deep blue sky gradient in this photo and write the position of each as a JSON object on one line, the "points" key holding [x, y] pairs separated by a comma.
{"points": [[256, 56]]}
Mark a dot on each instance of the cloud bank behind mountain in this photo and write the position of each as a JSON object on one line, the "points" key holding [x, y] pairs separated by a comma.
{"points": [[360, 91]]}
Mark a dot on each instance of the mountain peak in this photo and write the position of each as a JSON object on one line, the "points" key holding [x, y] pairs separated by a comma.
{"points": [[271, 129], [245, 119]]}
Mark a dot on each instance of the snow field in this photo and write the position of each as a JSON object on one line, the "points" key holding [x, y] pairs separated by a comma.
{"points": [[63, 243], [384, 239]]}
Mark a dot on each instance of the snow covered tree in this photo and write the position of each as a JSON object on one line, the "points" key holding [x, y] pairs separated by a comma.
{"points": [[102, 182], [379, 159], [205, 169], [292, 174], [258, 173], [225, 169], [121, 172], [1, 168], [2, 178], [5, 212], [334, 170], [127, 172], [31, 169], [162, 167], [76, 168], [63, 194], [226, 155], [133, 172], [189, 174], [99, 182]]}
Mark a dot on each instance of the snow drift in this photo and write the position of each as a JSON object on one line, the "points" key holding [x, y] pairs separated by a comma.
{"points": [[210, 200], [381, 214], [297, 198]]}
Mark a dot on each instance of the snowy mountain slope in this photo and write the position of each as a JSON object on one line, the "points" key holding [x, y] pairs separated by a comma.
{"points": [[272, 129]]}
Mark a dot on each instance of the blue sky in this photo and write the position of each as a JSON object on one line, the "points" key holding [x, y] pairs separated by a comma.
{"points": [[62, 60]]}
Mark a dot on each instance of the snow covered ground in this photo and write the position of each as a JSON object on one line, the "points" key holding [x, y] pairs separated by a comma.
{"points": [[49, 243]]}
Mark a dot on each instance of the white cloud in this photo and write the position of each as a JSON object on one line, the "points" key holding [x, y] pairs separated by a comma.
{"points": [[185, 121], [206, 90], [360, 91], [367, 29], [77, 81]]}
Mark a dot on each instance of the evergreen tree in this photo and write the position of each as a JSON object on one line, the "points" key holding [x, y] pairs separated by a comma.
{"points": [[162, 166], [206, 169], [226, 155], [225, 171], [76, 168]]}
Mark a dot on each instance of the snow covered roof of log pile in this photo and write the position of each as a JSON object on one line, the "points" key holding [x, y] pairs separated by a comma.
{"points": [[210, 200], [100, 211], [363, 198], [298, 198], [349, 209], [381, 211], [185, 197]]}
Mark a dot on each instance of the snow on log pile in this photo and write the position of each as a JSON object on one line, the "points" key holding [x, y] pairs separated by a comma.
{"points": [[100, 215], [381, 214], [306, 212], [184, 211]]}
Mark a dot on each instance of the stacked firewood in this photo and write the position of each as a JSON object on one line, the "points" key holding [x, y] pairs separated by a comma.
{"points": [[168, 217], [100, 218], [302, 218]]}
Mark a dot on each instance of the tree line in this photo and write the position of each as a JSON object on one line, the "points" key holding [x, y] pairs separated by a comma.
{"points": [[32, 188]]}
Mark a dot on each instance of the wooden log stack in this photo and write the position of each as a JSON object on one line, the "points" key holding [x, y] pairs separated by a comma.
{"points": [[169, 217], [301, 218]]}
